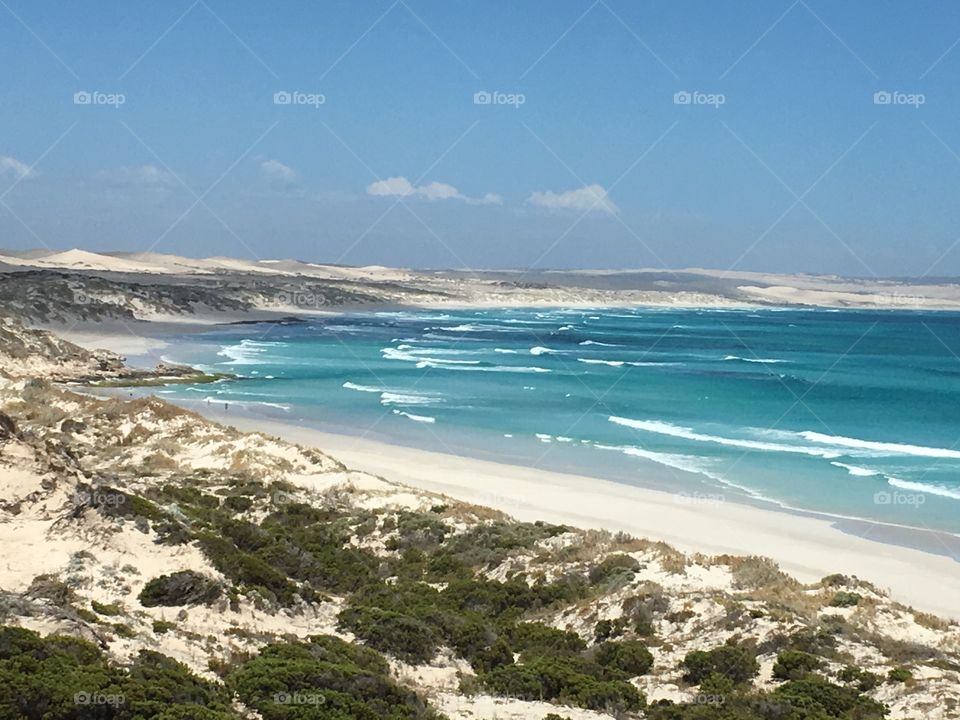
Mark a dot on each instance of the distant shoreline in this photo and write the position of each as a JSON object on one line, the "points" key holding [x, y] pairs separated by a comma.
{"points": [[152, 286]]}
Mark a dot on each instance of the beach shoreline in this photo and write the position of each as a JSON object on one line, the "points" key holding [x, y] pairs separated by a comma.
{"points": [[915, 565], [808, 548]]}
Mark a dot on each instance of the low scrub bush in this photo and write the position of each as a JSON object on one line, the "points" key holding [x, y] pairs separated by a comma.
{"points": [[65, 678], [403, 636], [731, 661], [180, 588], [611, 567], [324, 678], [567, 680], [794, 664], [844, 599], [630, 657]]}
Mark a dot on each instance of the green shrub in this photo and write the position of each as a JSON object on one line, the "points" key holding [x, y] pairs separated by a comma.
{"points": [[57, 678], [899, 674], [180, 588], [496, 655], [794, 664], [123, 630], [162, 626], [845, 599], [418, 530], [814, 693], [324, 678], [612, 566], [403, 636], [237, 503], [105, 608], [864, 679], [628, 656], [606, 629], [489, 544], [568, 680], [731, 661], [170, 532], [531, 639], [247, 569]]}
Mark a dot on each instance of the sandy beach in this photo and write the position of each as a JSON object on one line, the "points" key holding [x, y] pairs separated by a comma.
{"points": [[808, 548]]}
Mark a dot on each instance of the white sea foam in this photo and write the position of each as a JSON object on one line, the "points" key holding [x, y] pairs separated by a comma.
{"points": [[592, 361], [246, 352], [539, 350], [391, 353], [601, 344], [854, 470], [755, 360], [415, 418], [395, 398], [437, 351], [444, 361], [927, 488], [880, 448], [361, 388], [505, 351], [477, 327], [444, 365], [663, 428], [687, 463]]}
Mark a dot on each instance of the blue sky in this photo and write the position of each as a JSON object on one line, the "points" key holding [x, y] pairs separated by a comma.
{"points": [[783, 160]]}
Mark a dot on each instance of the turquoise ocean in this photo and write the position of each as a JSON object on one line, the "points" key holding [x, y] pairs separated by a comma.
{"points": [[852, 414]]}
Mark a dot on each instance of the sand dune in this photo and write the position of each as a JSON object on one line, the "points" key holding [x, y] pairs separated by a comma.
{"points": [[158, 263]]}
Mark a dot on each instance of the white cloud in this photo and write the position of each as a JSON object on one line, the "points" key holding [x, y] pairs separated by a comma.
{"points": [[145, 175], [586, 199], [439, 191], [13, 166], [278, 172], [392, 187], [401, 187]]}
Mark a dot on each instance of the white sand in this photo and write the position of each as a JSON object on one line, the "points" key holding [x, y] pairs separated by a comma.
{"points": [[807, 548], [121, 341]]}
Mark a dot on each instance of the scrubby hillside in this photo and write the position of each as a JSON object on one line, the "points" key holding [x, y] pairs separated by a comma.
{"points": [[157, 565]]}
